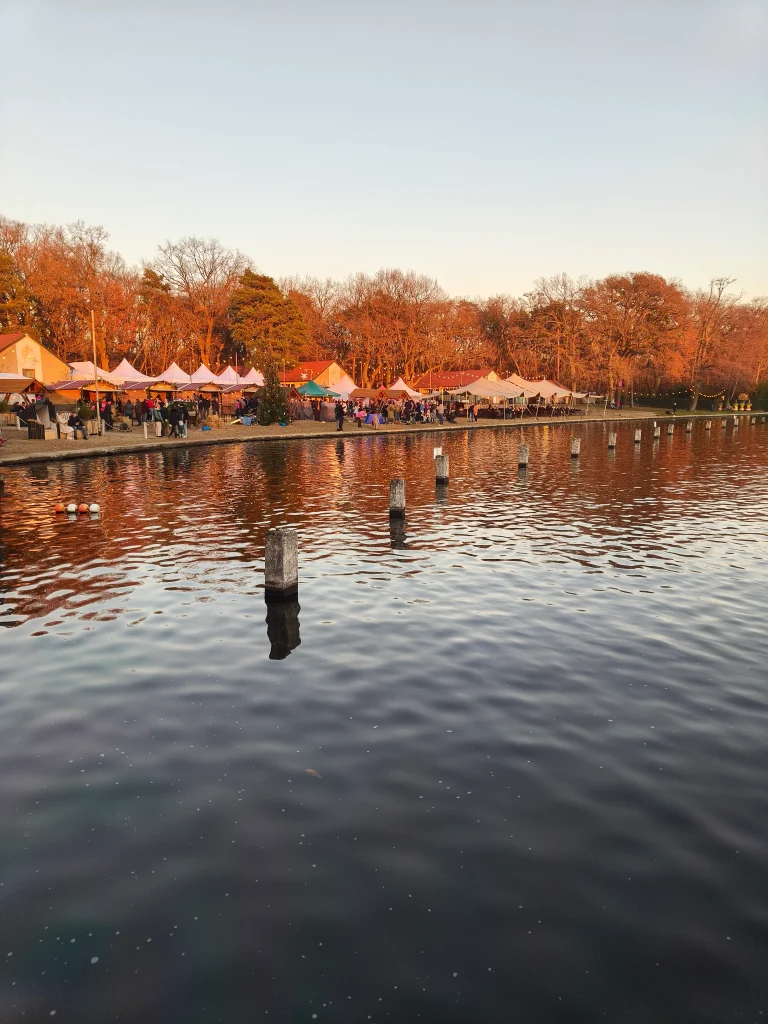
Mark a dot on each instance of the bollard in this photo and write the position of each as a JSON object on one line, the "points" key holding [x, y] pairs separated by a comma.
{"points": [[611, 440], [522, 457], [281, 563], [397, 497], [441, 469], [638, 436], [689, 427], [575, 448], [145, 431], [671, 428], [657, 431], [708, 425]]}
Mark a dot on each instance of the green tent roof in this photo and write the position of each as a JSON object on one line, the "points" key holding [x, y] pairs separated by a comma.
{"points": [[313, 390]]}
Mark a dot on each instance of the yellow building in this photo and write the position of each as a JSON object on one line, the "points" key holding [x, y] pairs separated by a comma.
{"points": [[28, 358]]}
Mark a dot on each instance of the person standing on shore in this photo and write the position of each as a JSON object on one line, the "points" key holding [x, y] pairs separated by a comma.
{"points": [[338, 412], [440, 413]]}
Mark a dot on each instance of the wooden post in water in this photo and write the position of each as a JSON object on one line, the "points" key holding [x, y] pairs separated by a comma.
{"points": [[611, 440], [638, 436], [575, 447], [753, 420], [671, 428], [689, 427], [656, 431], [522, 457], [708, 425], [441, 469], [723, 424], [281, 563], [735, 421], [397, 497]]}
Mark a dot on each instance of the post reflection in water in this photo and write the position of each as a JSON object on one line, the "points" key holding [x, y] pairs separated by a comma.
{"points": [[524, 727], [283, 628]]}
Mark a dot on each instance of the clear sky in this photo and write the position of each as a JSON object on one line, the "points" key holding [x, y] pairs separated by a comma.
{"points": [[483, 143]]}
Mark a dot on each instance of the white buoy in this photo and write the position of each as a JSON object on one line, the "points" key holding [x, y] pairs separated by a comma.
{"points": [[611, 440], [94, 507], [522, 456], [71, 507], [575, 447], [638, 436]]}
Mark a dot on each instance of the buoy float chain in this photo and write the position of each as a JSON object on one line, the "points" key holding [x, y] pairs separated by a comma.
{"points": [[59, 507], [83, 508], [71, 507], [94, 507]]}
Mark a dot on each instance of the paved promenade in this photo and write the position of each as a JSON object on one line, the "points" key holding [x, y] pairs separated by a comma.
{"points": [[19, 449]]}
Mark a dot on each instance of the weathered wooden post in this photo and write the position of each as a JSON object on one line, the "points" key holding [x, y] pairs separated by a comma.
{"points": [[436, 452], [689, 427], [671, 428], [657, 431], [397, 497], [753, 420], [611, 440], [638, 436], [522, 457], [723, 424], [441, 469], [735, 421], [708, 425], [281, 563], [575, 447]]}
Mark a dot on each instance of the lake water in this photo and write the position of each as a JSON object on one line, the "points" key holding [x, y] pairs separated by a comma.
{"points": [[507, 761]]}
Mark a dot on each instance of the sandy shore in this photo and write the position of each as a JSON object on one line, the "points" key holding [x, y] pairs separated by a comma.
{"points": [[19, 449]]}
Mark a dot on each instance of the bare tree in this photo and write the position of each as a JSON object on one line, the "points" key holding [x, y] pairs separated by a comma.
{"points": [[203, 273]]}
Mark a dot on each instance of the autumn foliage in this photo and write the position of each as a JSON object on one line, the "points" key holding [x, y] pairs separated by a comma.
{"points": [[199, 301]]}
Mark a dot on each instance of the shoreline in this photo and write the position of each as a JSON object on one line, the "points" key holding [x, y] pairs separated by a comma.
{"points": [[296, 431]]}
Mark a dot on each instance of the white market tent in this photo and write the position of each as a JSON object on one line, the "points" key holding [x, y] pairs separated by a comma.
{"points": [[344, 386], [544, 388], [124, 371], [174, 375], [253, 376], [484, 388], [229, 376], [203, 375], [88, 371], [400, 385]]}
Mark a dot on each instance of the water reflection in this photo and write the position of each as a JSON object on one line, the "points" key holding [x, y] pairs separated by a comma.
{"points": [[283, 629]]}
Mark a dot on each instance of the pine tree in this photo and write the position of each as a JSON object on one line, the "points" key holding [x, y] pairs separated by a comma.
{"points": [[273, 405], [266, 322]]}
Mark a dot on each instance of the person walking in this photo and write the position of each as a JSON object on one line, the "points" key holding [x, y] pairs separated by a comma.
{"points": [[339, 414], [440, 413]]}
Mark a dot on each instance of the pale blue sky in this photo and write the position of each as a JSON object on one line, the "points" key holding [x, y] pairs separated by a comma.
{"points": [[483, 143]]}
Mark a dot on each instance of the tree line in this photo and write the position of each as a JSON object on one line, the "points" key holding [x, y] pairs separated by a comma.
{"points": [[198, 301]]}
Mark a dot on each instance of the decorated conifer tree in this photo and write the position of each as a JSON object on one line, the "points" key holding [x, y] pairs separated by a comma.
{"points": [[273, 405]]}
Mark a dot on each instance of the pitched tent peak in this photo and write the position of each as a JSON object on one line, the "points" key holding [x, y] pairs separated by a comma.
{"points": [[174, 375], [203, 375], [125, 371], [229, 376]]}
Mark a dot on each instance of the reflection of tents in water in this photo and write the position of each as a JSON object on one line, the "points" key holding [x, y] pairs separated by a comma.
{"points": [[283, 628]]}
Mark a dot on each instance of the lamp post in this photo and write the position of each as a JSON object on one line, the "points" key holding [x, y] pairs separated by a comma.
{"points": [[95, 373]]}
